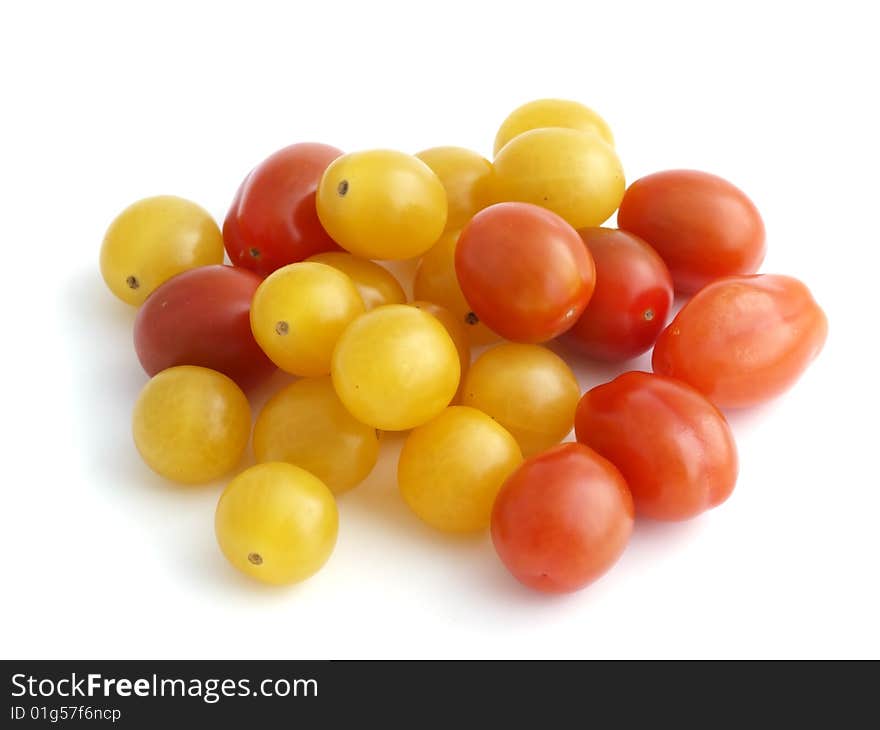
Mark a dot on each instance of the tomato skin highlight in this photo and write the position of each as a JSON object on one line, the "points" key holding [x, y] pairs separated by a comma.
{"points": [[273, 220], [542, 113], [524, 271], [702, 226], [631, 302], [743, 340], [673, 447], [202, 317], [562, 519]]}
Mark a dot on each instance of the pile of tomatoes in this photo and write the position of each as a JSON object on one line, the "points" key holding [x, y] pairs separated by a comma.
{"points": [[507, 250]]}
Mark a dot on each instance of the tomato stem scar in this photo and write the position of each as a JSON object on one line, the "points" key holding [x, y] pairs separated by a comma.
{"points": [[342, 189], [471, 318], [255, 559], [254, 252], [282, 328], [132, 282], [648, 315]]}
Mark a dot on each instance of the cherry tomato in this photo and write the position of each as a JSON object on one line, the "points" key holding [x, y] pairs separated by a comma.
{"points": [[551, 113], [277, 523], [451, 468], [457, 333], [743, 340], [702, 226], [672, 446], [631, 301], [382, 204], [202, 317], [467, 179], [395, 368], [562, 519], [191, 424], [525, 271], [306, 424], [377, 285], [298, 313], [528, 390], [273, 221], [575, 174], [435, 281], [154, 239]]}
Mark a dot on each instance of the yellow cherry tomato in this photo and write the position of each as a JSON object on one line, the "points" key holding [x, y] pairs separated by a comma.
{"points": [[306, 424], [382, 204], [467, 178], [528, 390], [551, 113], [154, 239], [277, 523], [456, 330], [451, 469], [436, 281], [191, 424], [395, 368], [376, 285], [298, 313], [575, 174]]}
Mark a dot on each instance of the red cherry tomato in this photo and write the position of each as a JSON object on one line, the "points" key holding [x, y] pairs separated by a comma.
{"points": [[703, 226], [633, 294], [273, 220], [202, 317], [743, 340], [524, 271], [672, 446], [562, 519]]}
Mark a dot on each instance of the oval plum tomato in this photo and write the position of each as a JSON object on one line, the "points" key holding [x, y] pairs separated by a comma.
{"points": [[743, 340], [543, 113], [382, 204], [273, 221], [525, 272], [631, 301], [154, 239], [562, 519], [703, 226], [672, 446], [202, 317], [575, 174]]}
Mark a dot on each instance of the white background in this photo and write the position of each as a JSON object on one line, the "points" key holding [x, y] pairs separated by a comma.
{"points": [[106, 103]]}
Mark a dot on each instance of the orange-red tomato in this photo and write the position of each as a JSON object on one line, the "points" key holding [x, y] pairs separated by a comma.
{"points": [[631, 301], [273, 220], [562, 519], [743, 340], [673, 447], [524, 271], [703, 226]]}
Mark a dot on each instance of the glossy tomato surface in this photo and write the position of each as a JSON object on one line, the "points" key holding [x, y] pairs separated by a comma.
{"points": [[202, 317], [382, 204], [524, 271], [703, 226], [273, 220], [154, 239], [673, 447], [574, 173], [562, 519], [543, 113], [631, 302], [743, 340]]}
